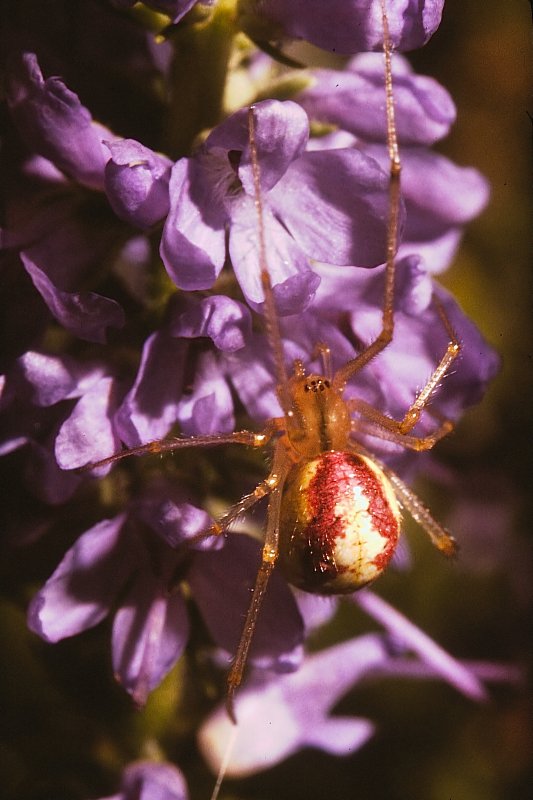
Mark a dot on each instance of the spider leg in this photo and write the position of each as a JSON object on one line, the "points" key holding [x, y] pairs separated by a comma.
{"points": [[441, 538], [275, 482], [385, 336], [159, 446], [438, 534], [383, 427], [452, 351], [264, 488]]}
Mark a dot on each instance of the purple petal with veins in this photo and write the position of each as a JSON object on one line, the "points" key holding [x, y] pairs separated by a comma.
{"points": [[311, 200], [150, 632], [294, 283]]}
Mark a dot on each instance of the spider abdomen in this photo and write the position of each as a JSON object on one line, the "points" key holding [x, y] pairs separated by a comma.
{"points": [[339, 523]]}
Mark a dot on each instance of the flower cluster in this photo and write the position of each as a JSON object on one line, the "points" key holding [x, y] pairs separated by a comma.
{"points": [[134, 304]]}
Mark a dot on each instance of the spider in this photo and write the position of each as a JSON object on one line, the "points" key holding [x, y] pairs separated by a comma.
{"points": [[333, 516]]}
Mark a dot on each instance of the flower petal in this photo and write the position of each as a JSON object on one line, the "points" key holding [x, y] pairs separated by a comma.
{"points": [[252, 377], [88, 435], [437, 192], [209, 408], [353, 100], [136, 183], [150, 632], [163, 507], [347, 26], [82, 589], [420, 341], [478, 365], [409, 634], [279, 716], [193, 243], [221, 583], [225, 321], [146, 780], [281, 131], [55, 124], [86, 315], [49, 379], [293, 281], [336, 221], [151, 406]]}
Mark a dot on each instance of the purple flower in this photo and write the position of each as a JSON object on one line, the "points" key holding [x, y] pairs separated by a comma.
{"points": [[136, 183], [147, 780], [109, 412], [307, 212], [132, 566], [411, 637], [111, 355], [48, 219], [38, 393], [352, 99], [277, 717], [343, 26], [85, 314], [439, 196], [54, 123]]}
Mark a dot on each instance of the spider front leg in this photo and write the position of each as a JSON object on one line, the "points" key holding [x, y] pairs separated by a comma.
{"points": [[383, 427], [385, 336], [275, 481], [160, 446], [452, 351]]}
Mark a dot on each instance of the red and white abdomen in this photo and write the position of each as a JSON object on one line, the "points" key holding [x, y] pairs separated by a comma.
{"points": [[339, 523]]}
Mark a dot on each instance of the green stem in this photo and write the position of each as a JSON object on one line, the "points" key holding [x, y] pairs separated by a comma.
{"points": [[198, 77]]}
